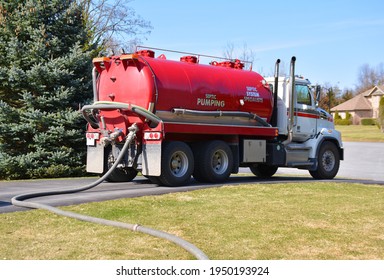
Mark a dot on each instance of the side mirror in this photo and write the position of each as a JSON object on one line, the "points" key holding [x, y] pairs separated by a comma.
{"points": [[318, 90]]}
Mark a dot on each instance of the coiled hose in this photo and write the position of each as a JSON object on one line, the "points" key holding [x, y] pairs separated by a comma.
{"points": [[19, 200]]}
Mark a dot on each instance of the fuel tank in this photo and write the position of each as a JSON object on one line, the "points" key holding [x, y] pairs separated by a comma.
{"points": [[185, 90]]}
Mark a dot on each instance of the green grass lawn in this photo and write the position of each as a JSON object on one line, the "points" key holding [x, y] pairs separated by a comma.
{"points": [[360, 133], [255, 221]]}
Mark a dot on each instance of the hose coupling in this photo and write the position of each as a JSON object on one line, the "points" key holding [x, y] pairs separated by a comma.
{"points": [[115, 134], [135, 227], [133, 128], [105, 141]]}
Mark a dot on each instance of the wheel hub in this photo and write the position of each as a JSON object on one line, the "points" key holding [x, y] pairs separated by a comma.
{"points": [[179, 164], [220, 161], [328, 160]]}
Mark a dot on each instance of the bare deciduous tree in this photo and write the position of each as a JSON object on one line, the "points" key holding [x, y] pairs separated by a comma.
{"points": [[115, 24], [244, 54], [369, 77], [229, 50]]}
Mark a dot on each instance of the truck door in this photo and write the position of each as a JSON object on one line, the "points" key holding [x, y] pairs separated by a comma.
{"points": [[305, 113]]}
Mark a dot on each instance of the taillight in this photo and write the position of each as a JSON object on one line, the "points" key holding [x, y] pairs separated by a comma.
{"points": [[91, 138], [152, 135]]}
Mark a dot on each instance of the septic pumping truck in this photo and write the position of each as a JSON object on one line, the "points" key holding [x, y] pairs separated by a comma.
{"points": [[189, 119]]}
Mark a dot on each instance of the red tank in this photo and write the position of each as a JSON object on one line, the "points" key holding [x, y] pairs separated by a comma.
{"points": [[185, 91]]}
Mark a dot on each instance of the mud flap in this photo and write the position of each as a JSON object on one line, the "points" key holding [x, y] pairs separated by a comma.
{"points": [[95, 159], [151, 159]]}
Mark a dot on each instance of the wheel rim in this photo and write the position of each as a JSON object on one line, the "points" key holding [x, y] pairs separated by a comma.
{"points": [[220, 162], [179, 164], [328, 161]]}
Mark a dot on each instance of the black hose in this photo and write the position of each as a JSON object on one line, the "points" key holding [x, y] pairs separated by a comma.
{"points": [[19, 200]]}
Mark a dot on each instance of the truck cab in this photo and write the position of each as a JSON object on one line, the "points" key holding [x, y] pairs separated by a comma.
{"points": [[306, 131], [306, 112]]}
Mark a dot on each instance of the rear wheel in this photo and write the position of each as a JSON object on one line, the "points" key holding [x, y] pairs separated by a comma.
{"points": [[214, 162], [120, 174], [328, 162], [176, 164], [263, 171]]}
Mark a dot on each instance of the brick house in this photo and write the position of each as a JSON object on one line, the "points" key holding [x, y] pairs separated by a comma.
{"points": [[363, 105]]}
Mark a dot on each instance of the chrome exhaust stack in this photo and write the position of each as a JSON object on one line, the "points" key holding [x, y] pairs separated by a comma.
{"points": [[275, 94], [292, 97]]}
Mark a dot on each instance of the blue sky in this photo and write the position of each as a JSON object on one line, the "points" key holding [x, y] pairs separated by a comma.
{"points": [[330, 39]]}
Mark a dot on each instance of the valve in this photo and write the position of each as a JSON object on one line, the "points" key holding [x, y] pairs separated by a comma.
{"points": [[105, 141]]}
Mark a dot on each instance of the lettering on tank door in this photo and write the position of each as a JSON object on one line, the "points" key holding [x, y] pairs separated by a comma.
{"points": [[210, 100], [252, 95]]}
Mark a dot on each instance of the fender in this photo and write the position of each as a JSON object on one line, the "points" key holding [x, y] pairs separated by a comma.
{"points": [[326, 134]]}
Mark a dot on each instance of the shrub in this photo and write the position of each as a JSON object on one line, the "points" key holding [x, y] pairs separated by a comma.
{"points": [[337, 116], [368, 121], [338, 120], [343, 121], [348, 115]]}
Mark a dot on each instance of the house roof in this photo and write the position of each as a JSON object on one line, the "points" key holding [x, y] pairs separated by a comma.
{"points": [[377, 90], [357, 103], [360, 101]]}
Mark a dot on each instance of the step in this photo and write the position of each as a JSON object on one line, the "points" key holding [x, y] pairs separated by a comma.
{"points": [[297, 147]]}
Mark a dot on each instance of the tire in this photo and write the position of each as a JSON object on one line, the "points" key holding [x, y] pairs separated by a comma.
{"points": [[119, 174], [177, 164], [263, 171], [214, 162], [328, 162]]}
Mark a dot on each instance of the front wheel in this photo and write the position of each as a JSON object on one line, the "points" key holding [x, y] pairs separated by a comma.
{"points": [[328, 162]]}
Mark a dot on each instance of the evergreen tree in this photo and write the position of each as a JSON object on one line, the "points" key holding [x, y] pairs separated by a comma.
{"points": [[381, 114], [337, 116], [45, 75], [348, 115], [329, 99]]}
